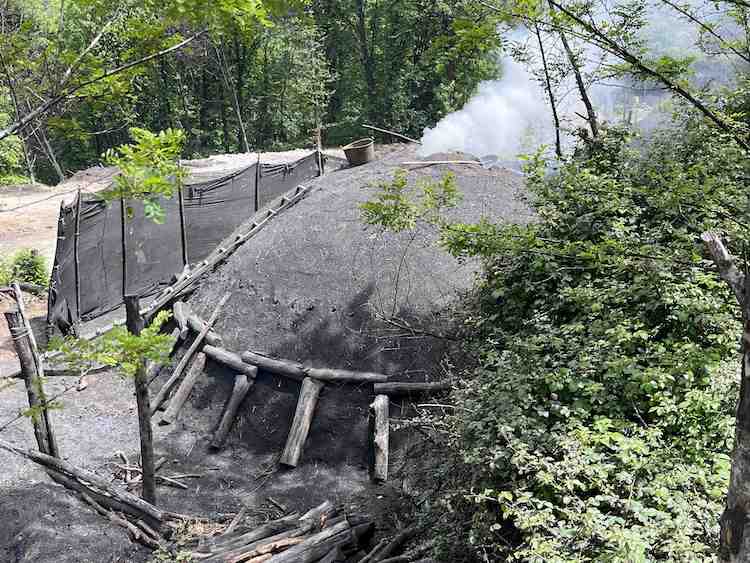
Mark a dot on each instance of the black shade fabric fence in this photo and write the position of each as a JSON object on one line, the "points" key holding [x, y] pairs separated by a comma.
{"points": [[89, 276]]}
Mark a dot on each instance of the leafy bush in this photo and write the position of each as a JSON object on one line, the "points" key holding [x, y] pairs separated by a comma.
{"points": [[600, 421], [598, 424], [26, 266]]}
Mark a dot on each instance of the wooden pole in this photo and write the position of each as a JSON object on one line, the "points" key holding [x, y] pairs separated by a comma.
{"points": [[32, 371], [380, 407], [295, 442], [124, 246], [242, 384], [134, 323], [183, 391], [393, 133], [257, 183], [183, 232], [76, 255]]}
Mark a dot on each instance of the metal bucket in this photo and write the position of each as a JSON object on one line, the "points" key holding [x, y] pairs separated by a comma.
{"points": [[360, 152]]}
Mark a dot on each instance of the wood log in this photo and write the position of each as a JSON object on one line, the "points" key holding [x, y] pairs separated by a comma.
{"points": [[62, 466], [295, 442], [343, 375], [230, 359], [399, 540], [265, 549], [153, 368], [297, 371], [380, 438], [228, 542], [395, 388], [333, 556], [164, 391], [195, 323], [180, 317], [286, 368], [242, 385], [230, 552], [183, 391], [32, 371], [317, 545]]}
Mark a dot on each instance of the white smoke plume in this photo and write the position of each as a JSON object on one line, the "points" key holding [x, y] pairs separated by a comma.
{"points": [[504, 118]]}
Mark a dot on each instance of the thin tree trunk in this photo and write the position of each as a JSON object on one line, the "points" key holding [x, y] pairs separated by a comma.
{"points": [[552, 102], [735, 520], [134, 323], [590, 113], [32, 371], [237, 111]]}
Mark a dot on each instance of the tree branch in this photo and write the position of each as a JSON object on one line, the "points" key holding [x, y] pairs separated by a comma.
{"points": [[725, 262], [66, 93]]}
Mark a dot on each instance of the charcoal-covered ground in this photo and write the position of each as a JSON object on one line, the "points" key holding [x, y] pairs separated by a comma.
{"points": [[316, 286]]}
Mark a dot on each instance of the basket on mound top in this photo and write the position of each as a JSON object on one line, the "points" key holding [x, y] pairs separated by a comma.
{"points": [[360, 152]]}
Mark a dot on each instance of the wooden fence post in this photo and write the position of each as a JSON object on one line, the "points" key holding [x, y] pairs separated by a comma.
{"points": [[32, 372], [76, 257], [134, 323], [183, 233]]}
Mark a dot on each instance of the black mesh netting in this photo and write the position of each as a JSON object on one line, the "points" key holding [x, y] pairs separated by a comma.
{"points": [[154, 252]]}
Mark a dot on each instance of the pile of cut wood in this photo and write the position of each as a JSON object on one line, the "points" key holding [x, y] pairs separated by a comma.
{"points": [[323, 534]]}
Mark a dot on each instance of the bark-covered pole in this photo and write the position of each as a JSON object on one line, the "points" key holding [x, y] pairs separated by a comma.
{"points": [[134, 323], [735, 520], [32, 372]]}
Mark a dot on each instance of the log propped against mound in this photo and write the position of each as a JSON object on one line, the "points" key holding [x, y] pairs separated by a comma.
{"points": [[381, 437], [297, 371], [295, 442], [242, 384], [187, 320]]}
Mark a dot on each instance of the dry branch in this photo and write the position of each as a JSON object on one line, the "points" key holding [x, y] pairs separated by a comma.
{"points": [[164, 391]]}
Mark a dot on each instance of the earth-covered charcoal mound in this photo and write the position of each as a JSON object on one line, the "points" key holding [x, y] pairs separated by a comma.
{"points": [[319, 287]]}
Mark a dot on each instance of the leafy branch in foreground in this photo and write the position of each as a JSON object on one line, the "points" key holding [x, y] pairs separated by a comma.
{"points": [[117, 348], [149, 169]]}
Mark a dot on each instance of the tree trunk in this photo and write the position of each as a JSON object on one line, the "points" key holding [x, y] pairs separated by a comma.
{"points": [[735, 520], [32, 372], [134, 323], [548, 87]]}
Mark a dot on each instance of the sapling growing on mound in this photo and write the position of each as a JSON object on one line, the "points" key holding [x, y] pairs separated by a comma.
{"points": [[149, 170]]}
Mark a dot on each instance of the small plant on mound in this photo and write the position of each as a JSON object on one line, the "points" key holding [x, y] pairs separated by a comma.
{"points": [[599, 423]]}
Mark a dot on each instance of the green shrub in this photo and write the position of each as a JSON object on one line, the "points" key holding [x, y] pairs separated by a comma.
{"points": [[26, 266], [599, 424]]}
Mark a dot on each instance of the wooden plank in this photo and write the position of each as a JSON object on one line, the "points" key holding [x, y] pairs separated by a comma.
{"points": [[308, 399], [381, 431]]}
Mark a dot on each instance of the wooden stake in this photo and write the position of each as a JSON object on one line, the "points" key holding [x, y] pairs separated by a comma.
{"points": [[380, 437], [32, 371], [134, 323], [308, 399], [180, 317], [183, 391], [242, 385]]}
